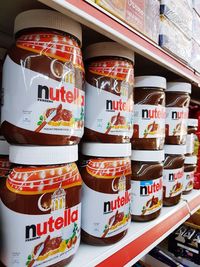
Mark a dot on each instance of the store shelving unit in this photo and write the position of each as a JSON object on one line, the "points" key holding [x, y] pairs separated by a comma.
{"points": [[141, 237]]}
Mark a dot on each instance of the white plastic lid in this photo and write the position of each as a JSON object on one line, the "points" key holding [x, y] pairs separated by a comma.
{"points": [[190, 160], [175, 149], [108, 49], [179, 87], [192, 122], [43, 155], [4, 146], [2, 52], [147, 155], [106, 150], [150, 82], [43, 18]]}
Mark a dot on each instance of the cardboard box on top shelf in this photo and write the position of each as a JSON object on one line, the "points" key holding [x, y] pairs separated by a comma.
{"points": [[152, 19], [174, 41], [196, 6], [196, 27], [195, 56], [180, 13], [115, 7]]}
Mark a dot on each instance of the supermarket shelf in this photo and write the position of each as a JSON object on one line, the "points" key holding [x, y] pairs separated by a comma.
{"points": [[141, 238], [193, 200], [93, 17]]}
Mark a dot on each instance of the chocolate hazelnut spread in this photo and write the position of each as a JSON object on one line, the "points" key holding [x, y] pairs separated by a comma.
{"points": [[173, 174], [189, 169], [4, 159], [44, 100], [146, 184], [177, 103], [192, 142], [2, 55], [149, 113], [109, 93], [41, 196], [106, 174]]}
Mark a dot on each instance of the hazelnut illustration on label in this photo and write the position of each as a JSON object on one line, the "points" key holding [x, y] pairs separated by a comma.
{"points": [[50, 100], [52, 232], [110, 212], [112, 87], [172, 182]]}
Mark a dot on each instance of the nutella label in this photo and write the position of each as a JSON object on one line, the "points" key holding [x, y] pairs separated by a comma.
{"points": [[149, 121], [39, 240], [176, 121], [172, 182], [46, 102], [190, 143], [47, 221], [188, 181], [105, 215], [109, 104], [146, 196]]}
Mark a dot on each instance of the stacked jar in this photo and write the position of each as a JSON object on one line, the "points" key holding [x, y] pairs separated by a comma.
{"points": [[147, 147], [105, 164], [177, 103], [42, 117]]}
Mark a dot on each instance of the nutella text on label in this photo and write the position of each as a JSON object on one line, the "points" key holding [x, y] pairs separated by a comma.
{"points": [[146, 196], [188, 181], [172, 182]]}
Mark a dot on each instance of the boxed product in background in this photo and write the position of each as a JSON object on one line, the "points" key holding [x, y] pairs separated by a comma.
{"points": [[196, 27], [174, 41], [139, 14], [184, 242], [180, 13], [195, 56], [196, 6]]}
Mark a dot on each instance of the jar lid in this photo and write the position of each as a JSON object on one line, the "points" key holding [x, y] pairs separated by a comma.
{"points": [[108, 49], [151, 82], [4, 147], [43, 18], [175, 149], [148, 155], [106, 150], [192, 122], [179, 87], [190, 160], [2, 53], [43, 155]]}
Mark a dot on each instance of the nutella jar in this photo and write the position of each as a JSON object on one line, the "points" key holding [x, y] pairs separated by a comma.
{"points": [[109, 93], [146, 184], [173, 174], [149, 113], [192, 142], [189, 170], [41, 199], [106, 196], [177, 103], [4, 159], [42, 81]]}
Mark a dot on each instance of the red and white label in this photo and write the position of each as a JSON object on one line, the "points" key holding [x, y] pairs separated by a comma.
{"points": [[146, 196], [188, 181], [108, 113], [40, 240], [37, 103], [105, 215], [173, 182], [149, 121], [176, 121]]}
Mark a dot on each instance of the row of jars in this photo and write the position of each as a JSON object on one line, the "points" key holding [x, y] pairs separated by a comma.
{"points": [[50, 200], [45, 103]]}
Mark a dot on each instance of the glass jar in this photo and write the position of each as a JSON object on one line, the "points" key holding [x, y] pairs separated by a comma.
{"points": [[189, 170], [177, 103], [44, 100], [149, 113], [41, 197], [109, 93], [192, 141], [106, 174], [146, 184], [173, 174]]}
